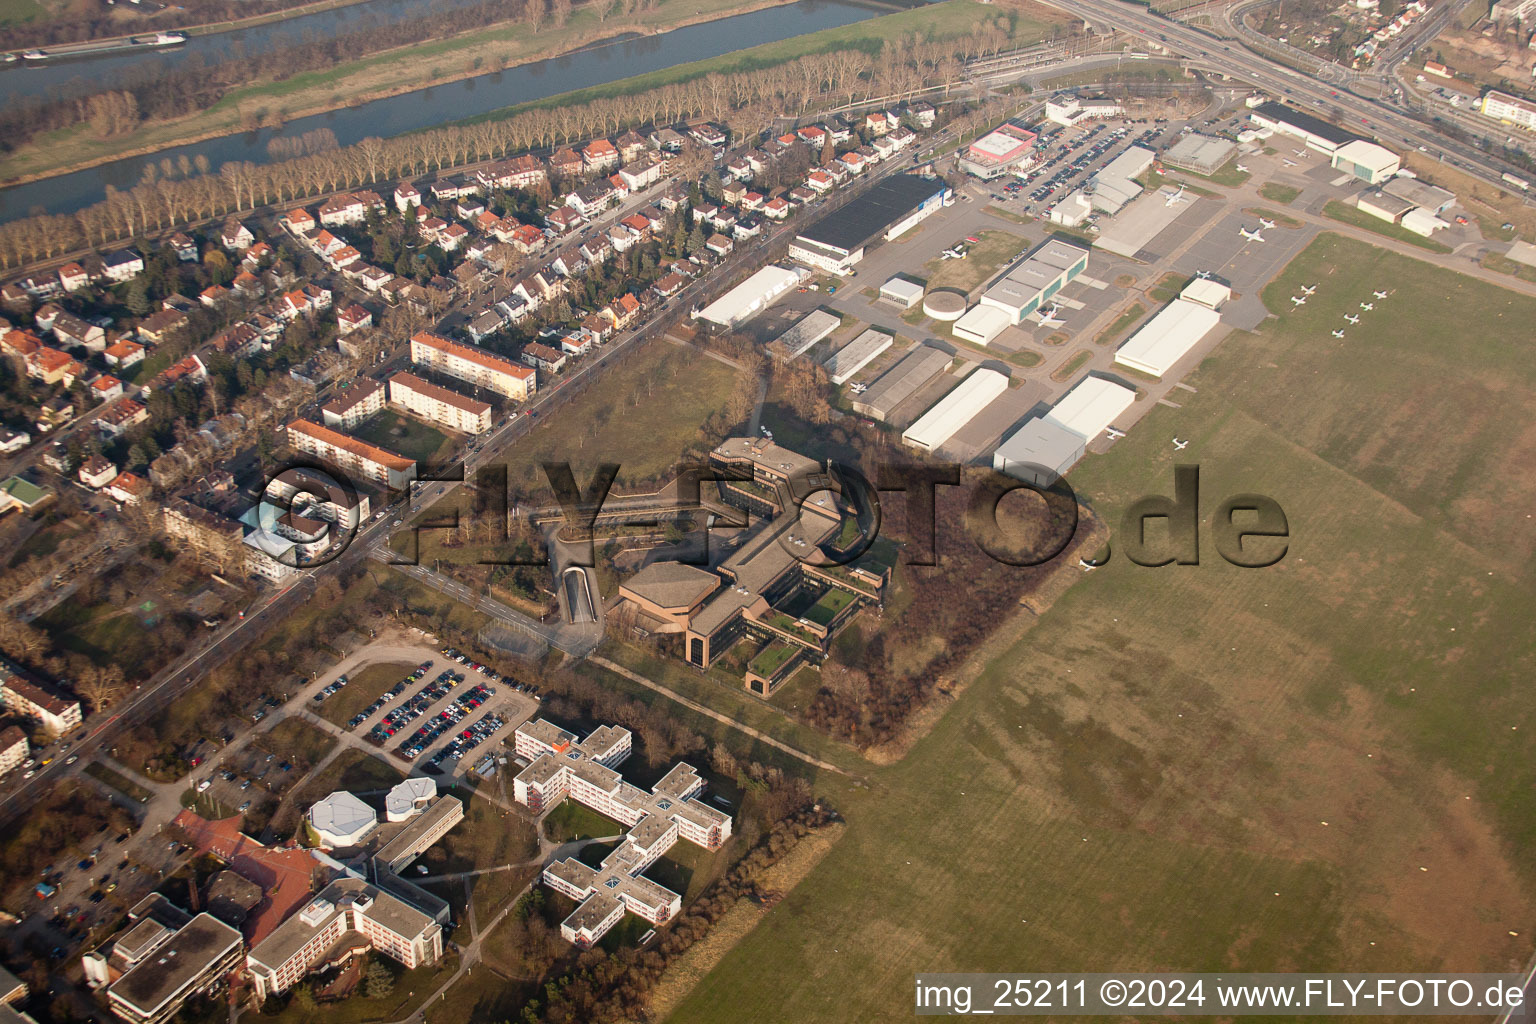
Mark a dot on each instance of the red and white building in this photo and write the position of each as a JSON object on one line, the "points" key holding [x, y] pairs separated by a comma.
{"points": [[439, 404], [474, 365], [352, 455]]}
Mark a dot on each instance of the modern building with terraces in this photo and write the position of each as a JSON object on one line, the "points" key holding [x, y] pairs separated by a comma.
{"points": [[774, 588], [562, 766]]}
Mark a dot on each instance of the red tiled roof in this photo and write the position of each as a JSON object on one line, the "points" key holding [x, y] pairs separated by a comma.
{"points": [[284, 873]]}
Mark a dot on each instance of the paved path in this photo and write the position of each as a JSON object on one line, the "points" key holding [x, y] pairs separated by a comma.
{"points": [[694, 705]]}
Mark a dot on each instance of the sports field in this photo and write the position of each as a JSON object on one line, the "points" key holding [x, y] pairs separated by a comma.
{"points": [[1320, 765]]}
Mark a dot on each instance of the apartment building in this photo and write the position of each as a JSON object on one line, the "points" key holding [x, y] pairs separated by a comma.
{"points": [[563, 766], [1509, 109], [439, 404], [473, 365], [13, 748], [352, 455], [359, 401], [26, 697], [318, 496], [212, 537]]}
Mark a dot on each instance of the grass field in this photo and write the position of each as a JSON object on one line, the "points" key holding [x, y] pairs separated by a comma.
{"points": [[118, 781], [403, 436], [572, 820], [16, 12], [103, 633], [1301, 740], [1122, 324], [1358, 218], [295, 740], [362, 689], [1285, 195], [981, 261]]}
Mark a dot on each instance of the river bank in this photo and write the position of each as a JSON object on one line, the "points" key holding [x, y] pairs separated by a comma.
{"points": [[381, 76]]}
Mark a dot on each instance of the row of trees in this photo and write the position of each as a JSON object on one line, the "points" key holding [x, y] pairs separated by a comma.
{"points": [[745, 102]]}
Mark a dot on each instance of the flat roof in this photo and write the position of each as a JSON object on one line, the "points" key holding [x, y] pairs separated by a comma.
{"points": [[1048, 263], [1420, 193], [294, 933], [869, 215], [910, 374], [1004, 143], [806, 332], [1368, 154], [1041, 442], [1167, 337], [1199, 150], [1207, 291], [985, 322], [1303, 122], [857, 354], [672, 584], [412, 840], [752, 295], [1138, 224], [1091, 406], [902, 288], [956, 409], [176, 964]]}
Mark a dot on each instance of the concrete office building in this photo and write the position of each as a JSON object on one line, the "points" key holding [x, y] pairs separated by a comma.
{"points": [[955, 410], [913, 372], [887, 210], [164, 957], [560, 767], [856, 355], [1006, 149]]}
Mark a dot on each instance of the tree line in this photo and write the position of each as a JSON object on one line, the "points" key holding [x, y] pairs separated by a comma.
{"points": [[183, 191]]}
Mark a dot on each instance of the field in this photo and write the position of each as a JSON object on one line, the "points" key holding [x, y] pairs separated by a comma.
{"points": [[1359, 218], [1277, 193], [404, 436], [980, 263], [1122, 324], [296, 741], [363, 688], [1310, 766]]}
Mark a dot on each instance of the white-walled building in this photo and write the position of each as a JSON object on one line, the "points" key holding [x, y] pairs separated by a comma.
{"points": [[440, 405], [341, 820], [952, 412], [474, 365]]}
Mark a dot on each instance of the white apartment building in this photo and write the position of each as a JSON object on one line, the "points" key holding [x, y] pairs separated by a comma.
{"points": [[440, 405], [561, 766], [1510, 109], [475, 365], [26, 698], [359, 401], [352, 455], [13, 748]]}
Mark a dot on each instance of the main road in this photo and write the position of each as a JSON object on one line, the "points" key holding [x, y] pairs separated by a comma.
{"points": [[1366, 116]]}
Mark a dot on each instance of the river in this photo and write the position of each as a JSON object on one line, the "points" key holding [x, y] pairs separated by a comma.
{"points": [[426, 107]]}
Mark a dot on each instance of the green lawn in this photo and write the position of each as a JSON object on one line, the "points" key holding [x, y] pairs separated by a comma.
{"points": [[106, 635], [296, 741], [829, 606], [1122, 324], [118, 781], [1352, 215], [1277, 193], [1300, 739], [981, 261], [363, 687], [572, 820], [768, 660], [404, 436], [1168, 287], [16, 12]]}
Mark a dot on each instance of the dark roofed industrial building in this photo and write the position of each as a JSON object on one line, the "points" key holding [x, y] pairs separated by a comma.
{"points": [[1317, 133], [888, 209]]}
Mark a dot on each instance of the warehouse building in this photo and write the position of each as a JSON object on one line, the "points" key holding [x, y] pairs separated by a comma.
{"points": [[911, 374], [955, 410], [1034, 279], [1047, 446], [1169, 336], [751, 297], [1314, 131], [806, 332], [1422, 222], [1114, 185], [1420, 193], [1200, 153], [904, 293], [1377, 203], [1366, 161], [1002, 150], [837, 241], [982, 324], [857, 354]]}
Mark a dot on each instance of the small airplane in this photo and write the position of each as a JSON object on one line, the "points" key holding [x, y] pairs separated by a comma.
{"points": [[1048, 317], [1252, 236], [1299, 152], [1180, 445], [1308, 289], [953, 254], [1367, 306], [1266, 224], [1289, 163], [1175, 198], [1338, 334], [1087, 566], [1204, 275], [1241, 169], [1351, 318], [1114, 435], [858, 387], [1379, 295], [1298, 300]]}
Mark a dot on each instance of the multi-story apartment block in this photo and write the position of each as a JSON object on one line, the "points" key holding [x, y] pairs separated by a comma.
{"points": [[13, 748], [26, 697], [474, 365], [1510, 109], [562, 766], [212, 537], [318, 496], [352, 455], [440, 405], [354, 405]]}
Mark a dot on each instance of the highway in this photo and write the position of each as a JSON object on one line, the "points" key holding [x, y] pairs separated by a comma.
{"points": [[1366, 116]]}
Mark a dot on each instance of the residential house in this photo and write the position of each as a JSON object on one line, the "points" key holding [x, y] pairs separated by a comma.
{"points": [[776, 209], [406, 196], [589, 199], [128, 489], [566, 162], [72, 277], [183, 246], [97, 472], [123, 354], [213, 295], [599, 155], [106, 388], [235, 236], [352, 318], [122, 265], [343, 209], [543, 357], [641, 172], [719, 245], [707, 134], [298, 222], [121, 416], [630, 145], [566, 218]]}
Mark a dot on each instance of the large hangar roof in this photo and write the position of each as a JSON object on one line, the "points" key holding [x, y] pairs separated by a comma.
{"points": [[956, 409], [1091, 406], [869, 215], [1167, 337]]}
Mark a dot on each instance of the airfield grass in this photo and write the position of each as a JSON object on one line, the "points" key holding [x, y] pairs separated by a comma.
{"points": [[1122, 324], [1278, 193], [363, 688], [981, 261], [1359, 218], [1226, 768]]}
